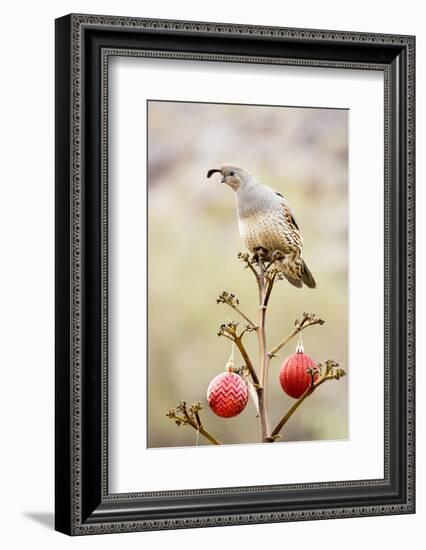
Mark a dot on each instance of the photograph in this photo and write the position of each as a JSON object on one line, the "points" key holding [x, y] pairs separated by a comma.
{"points": [[247, 234], [212, 242], [234, 273]]}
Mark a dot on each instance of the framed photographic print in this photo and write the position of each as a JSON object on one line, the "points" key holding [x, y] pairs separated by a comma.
{"points": [[234, 274]]}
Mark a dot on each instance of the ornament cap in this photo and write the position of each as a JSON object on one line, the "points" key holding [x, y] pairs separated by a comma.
{"points": [[299, 345]]}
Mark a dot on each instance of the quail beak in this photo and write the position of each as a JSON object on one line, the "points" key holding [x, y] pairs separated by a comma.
{"points": [[213, 171]]}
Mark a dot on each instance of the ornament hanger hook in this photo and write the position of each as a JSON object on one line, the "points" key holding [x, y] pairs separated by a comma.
{"points": [[230, 365], [299, 346]]}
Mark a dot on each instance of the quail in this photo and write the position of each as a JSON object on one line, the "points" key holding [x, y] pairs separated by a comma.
{"points": [[267, 224]]}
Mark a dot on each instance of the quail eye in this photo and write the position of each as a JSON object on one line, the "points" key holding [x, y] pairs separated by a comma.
{"points": [[232, 173]]}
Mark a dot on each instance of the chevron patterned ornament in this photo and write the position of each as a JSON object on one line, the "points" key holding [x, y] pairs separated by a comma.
{"points": [[227, 394], [294, 378]]}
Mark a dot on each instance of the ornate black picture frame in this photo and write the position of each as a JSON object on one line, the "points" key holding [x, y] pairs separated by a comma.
{"points": [[84, 44]]}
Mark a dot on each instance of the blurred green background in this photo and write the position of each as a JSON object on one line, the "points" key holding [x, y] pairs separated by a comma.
{"points": [[193, 243]]}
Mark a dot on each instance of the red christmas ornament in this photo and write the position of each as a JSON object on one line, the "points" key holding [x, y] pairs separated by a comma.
{"points": [[294, 379], [227, 394]]}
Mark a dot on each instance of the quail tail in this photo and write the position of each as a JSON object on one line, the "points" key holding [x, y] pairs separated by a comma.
{"points": [[307, 277], [295, 282]]}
